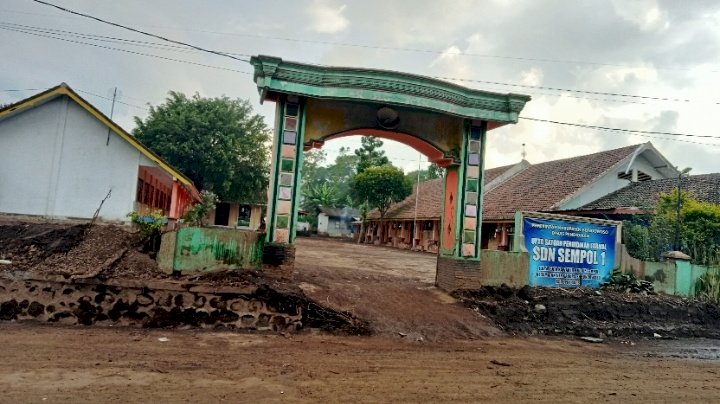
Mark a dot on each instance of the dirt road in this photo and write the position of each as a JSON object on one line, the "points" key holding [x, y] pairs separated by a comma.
{"points": [[59, 364], [390, 288]]}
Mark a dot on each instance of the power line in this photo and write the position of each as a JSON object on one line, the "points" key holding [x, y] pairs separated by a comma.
{"points": [[21, 89], [124, 50], [110, 99], [156, 45], [139, 31], [388, 48], [646, 132], [567, 89], [110, 39]]}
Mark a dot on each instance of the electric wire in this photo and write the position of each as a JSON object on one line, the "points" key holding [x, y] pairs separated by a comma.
{"points": [[140, 31], [392, 49], [126, 51], [229, 54], [596, 127]]}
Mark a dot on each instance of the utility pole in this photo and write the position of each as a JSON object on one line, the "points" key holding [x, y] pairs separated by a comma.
{"points": [[676, 247], [112, 111], [417, 194]]}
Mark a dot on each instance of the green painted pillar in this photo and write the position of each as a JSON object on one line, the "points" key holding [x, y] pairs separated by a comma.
{"points": [[286, 170], [462, 210], [458, 264], [474, 162]]}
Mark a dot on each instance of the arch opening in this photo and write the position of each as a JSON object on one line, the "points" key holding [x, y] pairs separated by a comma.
{"points": [[433, 153]]}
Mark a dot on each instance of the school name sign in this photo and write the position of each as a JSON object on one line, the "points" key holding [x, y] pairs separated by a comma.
{"points": [[569, 253]]}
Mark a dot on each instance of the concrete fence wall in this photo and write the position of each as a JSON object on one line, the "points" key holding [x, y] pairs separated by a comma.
{"points": [[671, 277], [197, 249]]}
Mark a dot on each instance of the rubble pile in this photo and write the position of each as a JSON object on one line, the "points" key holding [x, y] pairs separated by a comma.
{"points": [[593, 313]]}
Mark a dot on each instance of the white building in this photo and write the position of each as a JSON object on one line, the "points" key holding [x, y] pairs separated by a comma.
{"points": [[60, 157], [337, 222]]}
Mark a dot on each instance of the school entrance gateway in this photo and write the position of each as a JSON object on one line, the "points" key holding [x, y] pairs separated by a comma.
{"points": [[446, 122]]}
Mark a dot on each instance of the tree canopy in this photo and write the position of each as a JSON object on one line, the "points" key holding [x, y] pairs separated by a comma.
{"points": [[381, 187], [370, 154], [432, 172], [333, 179], [219, 143], [647, 237]]}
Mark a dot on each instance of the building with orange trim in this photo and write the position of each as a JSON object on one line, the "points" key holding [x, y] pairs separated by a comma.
{"points": [[552, 186], [60, 157]]}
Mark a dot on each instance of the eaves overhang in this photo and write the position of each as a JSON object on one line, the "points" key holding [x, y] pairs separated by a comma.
{"points": [[275, 76]]}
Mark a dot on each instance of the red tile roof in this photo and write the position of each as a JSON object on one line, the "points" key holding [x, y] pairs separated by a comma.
{"points": [[539, 187], [545, 186], [646, 194], [430, 200]]}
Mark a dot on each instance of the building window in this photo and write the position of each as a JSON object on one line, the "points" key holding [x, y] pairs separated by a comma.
{"points": [[139, 190], [641, 176]]}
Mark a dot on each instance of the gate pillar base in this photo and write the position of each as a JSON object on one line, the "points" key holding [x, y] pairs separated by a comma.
{"points": [[279, 259], [453, 274]]}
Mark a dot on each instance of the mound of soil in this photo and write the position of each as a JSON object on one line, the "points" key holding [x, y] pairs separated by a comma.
{"points": [[587, 312], [78, 251], [29, 243]]}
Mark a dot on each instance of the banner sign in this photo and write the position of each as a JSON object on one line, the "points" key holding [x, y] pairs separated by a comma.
{"points": [[567, 253]]}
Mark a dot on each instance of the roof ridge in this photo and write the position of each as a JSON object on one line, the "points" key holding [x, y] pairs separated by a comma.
{"points": [[63, 89], [632, 147]]}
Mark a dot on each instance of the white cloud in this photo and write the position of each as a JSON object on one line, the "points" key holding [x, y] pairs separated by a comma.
{"points": [[326, 17], [532, 76], [647, 15]]}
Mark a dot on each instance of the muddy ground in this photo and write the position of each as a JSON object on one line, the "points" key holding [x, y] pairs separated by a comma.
{"points": [[59, 364], [427, 346], [392, 290], [593, 313]]}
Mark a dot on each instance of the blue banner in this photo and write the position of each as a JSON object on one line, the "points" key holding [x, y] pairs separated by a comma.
{"points": [[569, 254]]}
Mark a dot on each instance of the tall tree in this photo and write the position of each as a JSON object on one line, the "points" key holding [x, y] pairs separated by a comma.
{"points": [[338, 175], [220, 143], [381, 187], [432, 172], [370, 154]]}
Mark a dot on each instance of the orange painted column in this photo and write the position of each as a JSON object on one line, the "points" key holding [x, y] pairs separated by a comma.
{"points": [[174, 201], [462, 207], [448, 234]]}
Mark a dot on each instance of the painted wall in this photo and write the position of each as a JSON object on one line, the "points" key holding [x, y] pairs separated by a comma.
{"points": [[54, 162], [333, 226], [610, 183], [197, 249]]}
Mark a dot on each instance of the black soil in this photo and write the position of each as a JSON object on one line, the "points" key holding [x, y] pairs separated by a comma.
{"points": [[111, 252], [587, 312]]}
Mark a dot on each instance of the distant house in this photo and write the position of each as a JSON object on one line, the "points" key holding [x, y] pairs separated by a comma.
{"points": [[550, 186], [233, 214], [642, 197], [337, 222], [60, 157]]}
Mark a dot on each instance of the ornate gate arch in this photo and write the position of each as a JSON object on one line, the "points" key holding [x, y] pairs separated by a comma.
{"points": [[446, 122]]}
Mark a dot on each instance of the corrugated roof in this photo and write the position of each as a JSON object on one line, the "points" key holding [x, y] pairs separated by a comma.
{"points": [[645, 195]]}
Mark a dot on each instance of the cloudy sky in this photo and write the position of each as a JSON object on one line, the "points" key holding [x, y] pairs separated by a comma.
{"points": [[660, 60]]}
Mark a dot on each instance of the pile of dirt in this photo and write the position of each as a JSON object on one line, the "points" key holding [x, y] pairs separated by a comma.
{"points": [[588, 312], [78, 251], [30, 243]]}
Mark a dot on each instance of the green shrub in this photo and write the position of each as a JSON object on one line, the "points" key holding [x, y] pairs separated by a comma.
{"points": [[149, 224], [196, 215], [628, 283], [707, 286]]}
